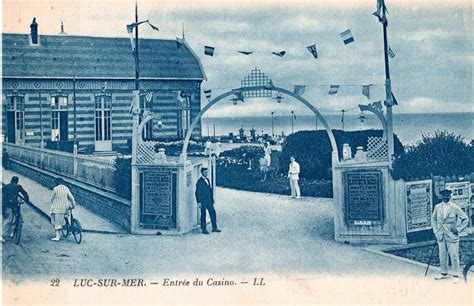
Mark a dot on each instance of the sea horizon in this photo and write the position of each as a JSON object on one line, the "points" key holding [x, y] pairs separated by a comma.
{"points": [[409, 127]]}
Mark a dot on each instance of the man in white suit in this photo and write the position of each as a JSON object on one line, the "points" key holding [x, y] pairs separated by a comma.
{"points": [[293, 175], [447, 229]]}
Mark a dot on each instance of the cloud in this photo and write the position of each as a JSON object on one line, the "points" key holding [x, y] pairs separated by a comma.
{"points": [[429, 105]]}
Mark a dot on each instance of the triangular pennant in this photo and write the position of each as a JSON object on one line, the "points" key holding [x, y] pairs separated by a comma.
{"points": [[245, 52], [347, 37], [280, 54], [209, 50], [153, 27], [179, 42], [333, 89], [299, 90], [395, 102], [366, 90], [207, 93], [313, 51], [391, 53]]}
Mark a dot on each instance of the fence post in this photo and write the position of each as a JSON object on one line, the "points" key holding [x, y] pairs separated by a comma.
{"points": [[75, 161]]}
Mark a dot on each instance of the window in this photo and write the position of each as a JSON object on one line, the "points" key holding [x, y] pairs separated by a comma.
{"points": [[184, 118], [59, 118], [145, 105], [103, 106], [15, 118]]}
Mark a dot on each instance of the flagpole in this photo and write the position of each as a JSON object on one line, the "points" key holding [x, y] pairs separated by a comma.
{"points": [[388, 86], [137, 76]]}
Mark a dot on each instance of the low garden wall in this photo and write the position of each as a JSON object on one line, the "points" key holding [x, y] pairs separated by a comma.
{"points": [[104, 204]]}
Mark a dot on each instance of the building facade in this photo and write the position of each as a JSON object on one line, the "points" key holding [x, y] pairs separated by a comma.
{"points": [[64, 88]]}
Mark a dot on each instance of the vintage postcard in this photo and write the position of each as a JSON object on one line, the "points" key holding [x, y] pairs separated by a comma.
{"points": [[161, 152]]}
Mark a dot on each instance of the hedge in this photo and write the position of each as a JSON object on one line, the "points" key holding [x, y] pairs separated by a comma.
{"points": [[442, 153], [313, 151]]}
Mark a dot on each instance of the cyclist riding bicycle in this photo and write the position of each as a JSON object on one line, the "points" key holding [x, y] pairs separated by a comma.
{"points": [[61, 201], [11, 204]]}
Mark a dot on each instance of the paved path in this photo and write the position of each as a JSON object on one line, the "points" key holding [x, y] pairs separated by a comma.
{"points": [[40, 197], [290, 243]]}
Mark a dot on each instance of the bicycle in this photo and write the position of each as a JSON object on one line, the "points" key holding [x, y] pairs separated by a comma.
{"points": [[72, 226], [16, 223], [468, 272]]}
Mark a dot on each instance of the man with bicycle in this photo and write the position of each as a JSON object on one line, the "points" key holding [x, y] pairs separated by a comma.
{"points": [[11, 204]]}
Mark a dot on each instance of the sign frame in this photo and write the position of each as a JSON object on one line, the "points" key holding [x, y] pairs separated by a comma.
{"points": [[412, 226]]}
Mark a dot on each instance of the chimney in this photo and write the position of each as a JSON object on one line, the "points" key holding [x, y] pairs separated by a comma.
{"points": [[34, 32]]}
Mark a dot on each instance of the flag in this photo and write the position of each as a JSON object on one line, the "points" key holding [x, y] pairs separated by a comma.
{"points": [[366, 91], [299, 90], [245, 52], [179, 42], [280, 54], [347, 37], [207, 92], [149, 96], [130, 33], [209, 50], [381, 10], [394, 101], [333, 89], [391, 53], [313, 51], [153, 27]]}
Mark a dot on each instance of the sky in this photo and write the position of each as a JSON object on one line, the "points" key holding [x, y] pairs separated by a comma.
{"points": [[432, 40]]}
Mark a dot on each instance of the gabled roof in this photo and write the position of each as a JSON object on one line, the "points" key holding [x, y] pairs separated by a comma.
{"points": [[97, 57]]}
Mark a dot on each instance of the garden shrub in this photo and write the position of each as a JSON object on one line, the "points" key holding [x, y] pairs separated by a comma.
{"points": [[123, 177], [442, 153], [313, 151]]}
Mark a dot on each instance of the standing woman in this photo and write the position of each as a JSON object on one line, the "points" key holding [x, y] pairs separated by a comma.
{"points": [[267, 154], [293, 175], [61, 201]]}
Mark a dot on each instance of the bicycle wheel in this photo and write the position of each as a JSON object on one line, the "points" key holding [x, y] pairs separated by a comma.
{"points": [[76, 230], [468, 272], [66, 230], [17, 230]]}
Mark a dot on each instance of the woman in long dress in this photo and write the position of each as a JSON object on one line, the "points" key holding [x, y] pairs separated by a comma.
{"points": [[61, 201]]}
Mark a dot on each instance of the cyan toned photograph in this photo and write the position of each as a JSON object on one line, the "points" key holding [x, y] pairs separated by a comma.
{"points": [[159, 152]]}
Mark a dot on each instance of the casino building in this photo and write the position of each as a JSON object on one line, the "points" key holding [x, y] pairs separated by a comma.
{"points": [[57, 88]]}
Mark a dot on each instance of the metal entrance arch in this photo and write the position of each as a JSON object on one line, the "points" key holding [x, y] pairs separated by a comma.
{"points": [[262, 87]]}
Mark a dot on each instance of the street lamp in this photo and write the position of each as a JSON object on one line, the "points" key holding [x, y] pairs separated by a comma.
{"points": [[292, 125], [273, 134]]}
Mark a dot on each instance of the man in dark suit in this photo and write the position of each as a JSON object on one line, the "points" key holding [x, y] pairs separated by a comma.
{"points": [[205, 199]]}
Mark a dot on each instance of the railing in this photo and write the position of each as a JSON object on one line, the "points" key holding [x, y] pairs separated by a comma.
{"points": [[95, 170]]}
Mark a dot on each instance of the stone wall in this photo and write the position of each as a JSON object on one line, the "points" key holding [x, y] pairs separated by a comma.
{"points": [[104, 204]]}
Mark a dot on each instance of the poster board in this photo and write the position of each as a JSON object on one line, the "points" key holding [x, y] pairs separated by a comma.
{"points": [[419, 205]]}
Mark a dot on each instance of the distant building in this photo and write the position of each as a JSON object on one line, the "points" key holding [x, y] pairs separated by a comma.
{"points": [[40, 72]]}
